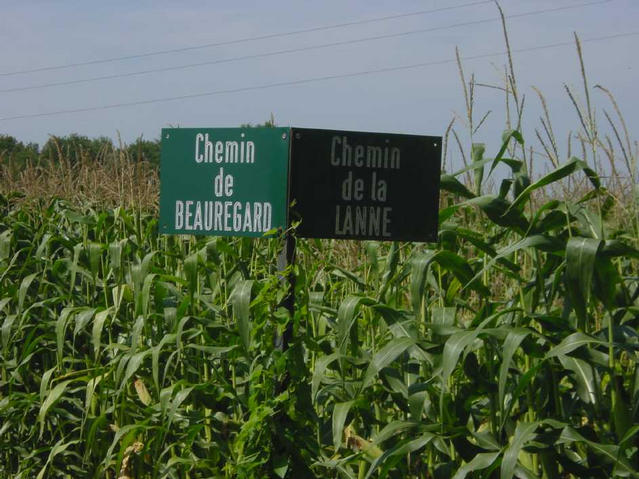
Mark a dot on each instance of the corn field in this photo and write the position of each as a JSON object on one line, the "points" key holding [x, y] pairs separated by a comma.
{"points": [[508, 349]]}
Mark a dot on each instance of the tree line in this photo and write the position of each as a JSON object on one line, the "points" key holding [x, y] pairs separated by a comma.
{"points": [[74, 148]]}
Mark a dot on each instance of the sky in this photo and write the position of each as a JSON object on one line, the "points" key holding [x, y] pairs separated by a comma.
{"points": [[416, 100]]}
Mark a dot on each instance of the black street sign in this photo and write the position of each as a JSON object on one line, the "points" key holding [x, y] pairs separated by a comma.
{"points": [[357, 185]]}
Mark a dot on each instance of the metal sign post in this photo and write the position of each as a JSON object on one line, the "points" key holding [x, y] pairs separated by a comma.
{"points": [[342, 185], [285, 261]]}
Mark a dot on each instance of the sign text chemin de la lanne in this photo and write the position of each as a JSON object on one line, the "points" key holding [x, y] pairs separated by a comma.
{"points": [[358, 185], [367, 216]]}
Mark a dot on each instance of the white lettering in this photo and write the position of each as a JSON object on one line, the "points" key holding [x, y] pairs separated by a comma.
{"points": [[373, 157], [359, 155], [338, 231], [179, 215], [227, 215], [395, 154], [363, 221], [197, 220], [374, 186], [267, 217], [218, 183], [208, 215], [373, 221], [358, 190], [217, 224], [223, 184], [247, 218], [385, 229], [250, 152], [187, 220], [228, 185], [347, 185], [208, 149], [199, 157], [257, 217], [237, 216], [346, 152], [231, 152], [348, 221], [219, 152], [381, 190]]}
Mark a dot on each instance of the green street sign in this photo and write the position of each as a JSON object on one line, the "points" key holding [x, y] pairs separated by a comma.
{"points": [[224, 181]]}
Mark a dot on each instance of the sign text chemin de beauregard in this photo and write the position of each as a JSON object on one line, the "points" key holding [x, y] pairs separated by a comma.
{"points": [[342, 184], [223, 181]]}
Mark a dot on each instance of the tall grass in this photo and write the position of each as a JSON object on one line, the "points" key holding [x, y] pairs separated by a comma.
{"points": [[110, 179]]}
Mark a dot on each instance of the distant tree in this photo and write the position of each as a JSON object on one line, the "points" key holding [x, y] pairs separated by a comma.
{"points": [[145, 150], [15, 152], [270, 123], [75, 148], [7, 144]]}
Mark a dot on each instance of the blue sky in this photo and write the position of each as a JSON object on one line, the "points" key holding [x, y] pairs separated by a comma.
{"points": [[419, 101]]}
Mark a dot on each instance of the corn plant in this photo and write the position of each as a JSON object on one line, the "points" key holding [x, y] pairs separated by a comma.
{"points": [[507, 349]]}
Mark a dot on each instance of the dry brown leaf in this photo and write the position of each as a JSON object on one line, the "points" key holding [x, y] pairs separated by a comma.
{"points": [[125, 470]]}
